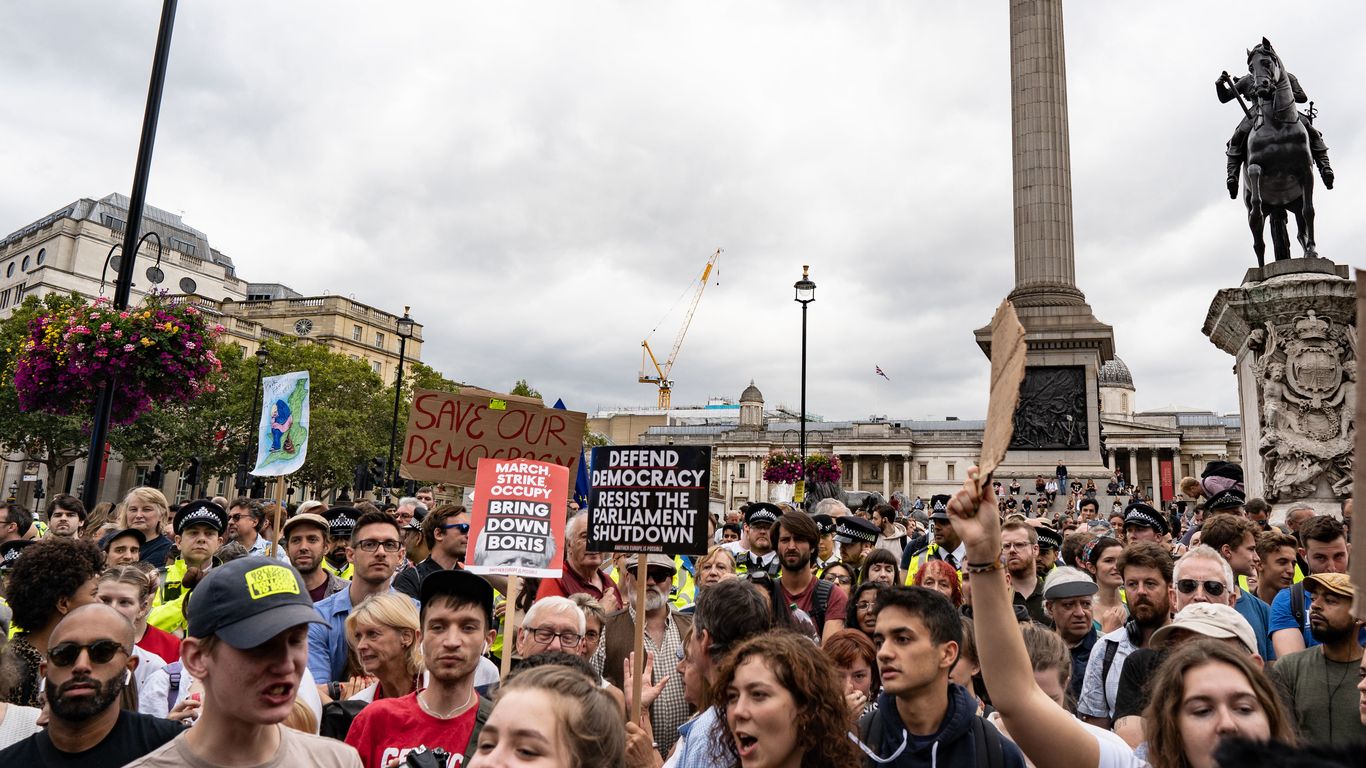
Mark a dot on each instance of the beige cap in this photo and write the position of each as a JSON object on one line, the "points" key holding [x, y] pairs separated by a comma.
{"points": [[1211, 620], [1337, 583], [306, 517]]}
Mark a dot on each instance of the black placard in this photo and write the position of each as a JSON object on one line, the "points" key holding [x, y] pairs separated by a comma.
{"points": [[649, 498]]}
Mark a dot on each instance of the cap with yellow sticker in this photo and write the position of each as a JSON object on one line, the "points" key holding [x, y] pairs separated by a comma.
{"points": [[271, 580]]}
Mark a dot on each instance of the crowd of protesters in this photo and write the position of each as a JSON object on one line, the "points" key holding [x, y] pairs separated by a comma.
{"points": [[965, 631]]}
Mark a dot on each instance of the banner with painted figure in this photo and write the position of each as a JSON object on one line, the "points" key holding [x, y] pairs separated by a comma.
{"points": [[517, 518], [282, 435]]}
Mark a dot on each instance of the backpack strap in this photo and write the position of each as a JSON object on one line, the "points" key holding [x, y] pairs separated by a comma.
{"points": [[822, 598], [173, 691], [987, 744], [480, 718], [1111, 648], [870, 731], [1297, 604]]}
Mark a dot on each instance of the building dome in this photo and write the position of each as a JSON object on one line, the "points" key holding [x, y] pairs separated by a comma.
{"points": [[752, 394], [1115, 374]]}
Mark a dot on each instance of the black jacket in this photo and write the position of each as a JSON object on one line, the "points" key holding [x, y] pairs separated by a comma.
{"points": [[955, 745]]}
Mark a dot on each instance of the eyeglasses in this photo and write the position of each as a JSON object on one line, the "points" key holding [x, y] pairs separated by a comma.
{"points": [[659, 575], [838, 579], [1212, 588], [101, 651], [1014, 545], [462, 527], [370, 545], [865, 606], [235, 518], [546, 634]]}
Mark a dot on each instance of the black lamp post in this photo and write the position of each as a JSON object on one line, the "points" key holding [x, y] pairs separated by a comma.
{"points": [[405, 332], [805, 294]]}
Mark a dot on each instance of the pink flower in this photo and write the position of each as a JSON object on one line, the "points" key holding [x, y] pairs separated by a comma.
{"points": [[189, 345], [118, 334], [105, 327], [128, 347]]}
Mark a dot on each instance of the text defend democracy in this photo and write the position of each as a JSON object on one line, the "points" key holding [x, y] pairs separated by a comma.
{"points": [[648, 478]]}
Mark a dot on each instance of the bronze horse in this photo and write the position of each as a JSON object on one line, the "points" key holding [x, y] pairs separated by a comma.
{"points": [[1279, 176]]}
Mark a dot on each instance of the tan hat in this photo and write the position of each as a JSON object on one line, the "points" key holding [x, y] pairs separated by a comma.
{"points": [[661, 561], [1211, 620], [1337, 583], [306, 517]]}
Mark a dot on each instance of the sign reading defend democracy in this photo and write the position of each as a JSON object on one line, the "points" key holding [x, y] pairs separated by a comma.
{"points": [[449, 433], [649, 499], [517, 519]]}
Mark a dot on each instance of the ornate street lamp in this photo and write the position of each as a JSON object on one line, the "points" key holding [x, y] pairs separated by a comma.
{"points": [[405, 332], [805, 294]]}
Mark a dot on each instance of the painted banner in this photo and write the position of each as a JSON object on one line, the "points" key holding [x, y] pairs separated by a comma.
{"points": [[282, 435], [1167, 473], [649, 499], [449, 433], [517, 518]]}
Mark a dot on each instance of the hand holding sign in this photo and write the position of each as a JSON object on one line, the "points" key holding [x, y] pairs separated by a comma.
{"points": [[1007, 372]]}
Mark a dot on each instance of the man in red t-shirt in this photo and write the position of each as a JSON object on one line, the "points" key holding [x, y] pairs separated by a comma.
{"points": [[457, 621], [797, 538], [581, 574]]}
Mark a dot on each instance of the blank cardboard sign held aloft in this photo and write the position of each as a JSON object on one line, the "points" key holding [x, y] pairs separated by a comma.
{"points": [[1007, 372]]}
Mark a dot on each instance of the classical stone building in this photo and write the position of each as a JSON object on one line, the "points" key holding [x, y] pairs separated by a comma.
{"points": [[924, 457]]}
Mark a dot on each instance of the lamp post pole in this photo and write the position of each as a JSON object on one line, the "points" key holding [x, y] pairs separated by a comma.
{"points": [[405, 332], [805, 294], [104, 404], [253, 422]]}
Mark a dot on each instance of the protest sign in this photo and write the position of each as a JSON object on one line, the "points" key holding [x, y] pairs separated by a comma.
{"points": [[649, 499], [282, 430], [1007, 372], [517, 519], [449, 433]]}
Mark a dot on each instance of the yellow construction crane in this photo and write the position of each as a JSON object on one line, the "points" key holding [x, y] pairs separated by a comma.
{"points": [[660, 377]]}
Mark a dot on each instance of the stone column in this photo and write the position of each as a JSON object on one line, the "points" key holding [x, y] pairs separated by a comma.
{"points": [[856, 473], [906, 475], [752, 479], [1157, 481], [1133, 467], [1111, 462], [886, 477]]}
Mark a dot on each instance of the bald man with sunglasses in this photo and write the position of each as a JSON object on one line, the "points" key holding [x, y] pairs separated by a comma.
{"points": [[89, 662]]}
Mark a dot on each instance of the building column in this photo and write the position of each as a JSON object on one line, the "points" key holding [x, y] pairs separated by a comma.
{"points": [[906, 475], [856, 471], [1157, 482], [886, 477], [752, 483], [1133, 466], [1111, 463]]}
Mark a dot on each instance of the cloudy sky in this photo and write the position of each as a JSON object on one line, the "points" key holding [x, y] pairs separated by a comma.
{"points": [[541, 180]]}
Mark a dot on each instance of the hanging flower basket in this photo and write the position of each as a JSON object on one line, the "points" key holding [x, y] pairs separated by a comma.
{"points": [[157, 353], [823, 469], [783, 467]]}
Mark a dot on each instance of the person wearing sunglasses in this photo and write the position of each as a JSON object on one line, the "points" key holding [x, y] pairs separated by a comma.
{"points": [[89, 662], [445, 531], [375, 551]]}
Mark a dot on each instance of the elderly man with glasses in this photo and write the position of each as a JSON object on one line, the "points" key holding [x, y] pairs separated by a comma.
{"points": [[552, 624]]}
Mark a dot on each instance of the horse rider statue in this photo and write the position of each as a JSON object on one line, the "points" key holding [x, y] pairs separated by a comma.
{"points": [[1228, 90]]}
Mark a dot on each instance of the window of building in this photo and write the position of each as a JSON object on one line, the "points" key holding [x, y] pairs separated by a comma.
{"points": [[4, 299], [182, 490], [873, 472], [375, 366], [42, 256], [183, 246], [896, 472], [24, 267], [113, 222], [744, 467], [379, 340], [356, 332], [922, 471], [9, 271], [951, 472], [1124, 402], [19, 293]]}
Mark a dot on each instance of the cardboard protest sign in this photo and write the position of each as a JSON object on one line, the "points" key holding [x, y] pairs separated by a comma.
{"points": [[449, 433], [517, 519], [649, 499], [1007, 371]]}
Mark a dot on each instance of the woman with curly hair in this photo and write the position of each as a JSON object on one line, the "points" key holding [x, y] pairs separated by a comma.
{"points": [[942, 578], [554, 716], [49, 580], [761, 686]]}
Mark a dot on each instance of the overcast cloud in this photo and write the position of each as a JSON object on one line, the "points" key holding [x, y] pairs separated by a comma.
{"points": [[541, 180]]}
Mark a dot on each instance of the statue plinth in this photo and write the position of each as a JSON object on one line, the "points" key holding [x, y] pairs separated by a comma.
{"points": [[1291, 328]]}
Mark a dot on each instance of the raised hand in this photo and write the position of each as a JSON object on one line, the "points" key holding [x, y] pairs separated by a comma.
{"points": [[974, 516]]}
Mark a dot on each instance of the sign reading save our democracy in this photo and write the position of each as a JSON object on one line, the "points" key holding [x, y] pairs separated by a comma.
{"points": [[449, 433], [649, 499], [517, 519]]}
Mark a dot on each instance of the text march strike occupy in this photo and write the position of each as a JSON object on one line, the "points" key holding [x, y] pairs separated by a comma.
{"points": [[649, 500], [517, 518]]}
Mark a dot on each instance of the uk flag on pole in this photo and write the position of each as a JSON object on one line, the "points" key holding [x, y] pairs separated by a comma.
{"points": [[878, 368]]}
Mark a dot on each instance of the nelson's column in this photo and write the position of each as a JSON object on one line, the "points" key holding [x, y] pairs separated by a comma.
{"points": [[1058, 419]]}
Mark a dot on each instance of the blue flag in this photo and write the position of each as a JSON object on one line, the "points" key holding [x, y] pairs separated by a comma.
{"points": [[581, 485]]}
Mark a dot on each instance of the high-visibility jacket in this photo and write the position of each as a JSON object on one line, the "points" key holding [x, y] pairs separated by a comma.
{"points": [[918, 560], [342, 573], [684, 591]]}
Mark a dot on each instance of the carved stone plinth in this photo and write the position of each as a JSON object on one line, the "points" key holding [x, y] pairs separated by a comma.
{"points": [[1291, 327]]}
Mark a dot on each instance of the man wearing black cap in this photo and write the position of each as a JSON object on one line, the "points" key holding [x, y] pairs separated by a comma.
{"points": [[759, 520], [946, 545], [1050, 544], [457, 627], [198, 527], [1143, 523], [122, 547], [856, 537], [825, 551], [247, 645], [341, 522], [1231, 501]]}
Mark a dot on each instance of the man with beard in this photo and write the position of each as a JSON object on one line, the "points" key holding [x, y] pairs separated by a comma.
{"points": [[1147, 572], [246, 517], [665, 629], [1318, 681], [341, 523], [1325, 550], [581, 570], [90, 661], [65, 516], [305, 538], [1068, 594], [798, 538], [855, 536], [446, 532], [1020, 546], [758, 532], [198, 527]]}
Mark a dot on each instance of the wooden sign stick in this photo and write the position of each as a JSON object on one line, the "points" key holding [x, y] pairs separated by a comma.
{"points": [[638, 670], [510, 625], [275, 531]]}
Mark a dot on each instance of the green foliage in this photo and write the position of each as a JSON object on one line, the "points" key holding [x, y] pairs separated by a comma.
{"points": [[523, 389]]}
